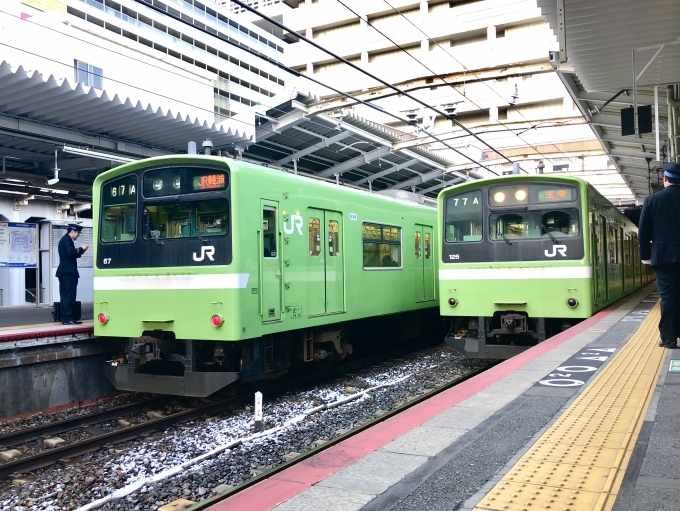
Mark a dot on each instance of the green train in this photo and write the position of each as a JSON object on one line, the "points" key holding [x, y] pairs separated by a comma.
{"points": [[214, 270], [524, 257]]}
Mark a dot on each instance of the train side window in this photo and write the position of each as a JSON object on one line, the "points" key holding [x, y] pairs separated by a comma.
{"points": [[428, 246], [613, 236], [269, 231], [333, 241], [119, 210], [418, 255], [463, 217], [381, 246], [314, 237]]}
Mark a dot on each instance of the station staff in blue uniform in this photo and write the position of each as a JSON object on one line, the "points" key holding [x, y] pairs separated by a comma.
{"points": [[659, 234], [67, 272]]}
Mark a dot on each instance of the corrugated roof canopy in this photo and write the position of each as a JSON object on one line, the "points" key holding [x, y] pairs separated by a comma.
{"points": [[349, 149]]}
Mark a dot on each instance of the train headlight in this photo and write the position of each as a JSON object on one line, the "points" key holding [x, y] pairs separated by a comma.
{"points": [[157, 184], [217, 320], [103, 319], [572, 302], [521, 195], [176, 182], [499, 197], [453, 302]]}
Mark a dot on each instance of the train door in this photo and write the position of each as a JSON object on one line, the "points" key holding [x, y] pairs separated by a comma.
{"points": [[326, 282], [622, 260], [335, 279], [270, 278], [424, 264], [600, 258]]}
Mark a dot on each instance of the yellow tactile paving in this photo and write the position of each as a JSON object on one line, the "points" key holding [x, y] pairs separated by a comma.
{"points": [[579, 463], [39, 325]]}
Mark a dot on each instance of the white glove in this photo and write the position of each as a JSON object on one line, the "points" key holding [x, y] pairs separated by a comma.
{"points": [[646, 261]]}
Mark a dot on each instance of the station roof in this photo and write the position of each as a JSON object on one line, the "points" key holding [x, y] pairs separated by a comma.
{"points": [[89, 128], [348, 149], [604, 44]]}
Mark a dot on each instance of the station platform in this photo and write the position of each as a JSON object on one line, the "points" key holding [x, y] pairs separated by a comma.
{"points": [[21, 326], [587, 420]]}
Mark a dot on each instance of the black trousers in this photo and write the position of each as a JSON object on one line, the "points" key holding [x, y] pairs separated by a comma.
{"points": [[68, 286], [668, 284]]}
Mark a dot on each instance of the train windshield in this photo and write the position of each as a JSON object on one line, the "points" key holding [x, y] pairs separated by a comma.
{"points": [[186, 219], [539, 224], [463, 217]]}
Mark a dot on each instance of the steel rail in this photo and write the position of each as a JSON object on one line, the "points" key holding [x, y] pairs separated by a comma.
{"points": [[54, 428]]}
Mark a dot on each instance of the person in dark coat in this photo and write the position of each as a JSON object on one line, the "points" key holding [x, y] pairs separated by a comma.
{"points": [[67, 273], [659, 234]]}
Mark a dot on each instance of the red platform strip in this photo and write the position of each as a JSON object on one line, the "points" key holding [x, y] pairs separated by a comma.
{"points": [[294, 480], [39, 334]]}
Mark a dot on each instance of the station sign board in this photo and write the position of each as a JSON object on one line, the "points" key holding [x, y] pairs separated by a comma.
{"points": [[18, 245]]}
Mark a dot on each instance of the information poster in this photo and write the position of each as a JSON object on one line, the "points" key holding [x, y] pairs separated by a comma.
{"points": [[85, 238], [18, 245]]}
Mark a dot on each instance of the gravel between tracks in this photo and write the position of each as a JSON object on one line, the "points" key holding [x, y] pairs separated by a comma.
{"points": [[99, 474]]}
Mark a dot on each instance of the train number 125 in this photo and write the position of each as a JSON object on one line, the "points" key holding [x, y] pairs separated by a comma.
{"points": [[454, 257]]}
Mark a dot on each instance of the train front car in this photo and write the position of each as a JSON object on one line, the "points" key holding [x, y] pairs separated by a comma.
{"points": [[163, 274], [519, 263], [212, 270]]}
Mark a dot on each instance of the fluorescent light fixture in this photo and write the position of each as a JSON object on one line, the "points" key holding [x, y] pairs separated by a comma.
{"points": [[97, 154]]}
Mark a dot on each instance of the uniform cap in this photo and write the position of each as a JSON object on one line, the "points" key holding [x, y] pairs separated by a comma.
{"points": [[672, 170], [75, 227]]}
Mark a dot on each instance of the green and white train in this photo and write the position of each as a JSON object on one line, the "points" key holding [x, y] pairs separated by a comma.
{"points": [[524, 257], [217, 270]]}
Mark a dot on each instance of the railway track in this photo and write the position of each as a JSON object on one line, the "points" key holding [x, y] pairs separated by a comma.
{"points": [[106, 440], [396, 411]]}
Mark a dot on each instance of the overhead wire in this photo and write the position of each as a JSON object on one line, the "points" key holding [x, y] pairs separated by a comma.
{"points": [[365, 103]]}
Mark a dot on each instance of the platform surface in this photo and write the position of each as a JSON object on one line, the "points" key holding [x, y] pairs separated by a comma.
{"points": [[586, 420], [31, 324]]}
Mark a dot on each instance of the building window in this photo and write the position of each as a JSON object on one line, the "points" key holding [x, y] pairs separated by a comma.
{"points": [[89, 75]]}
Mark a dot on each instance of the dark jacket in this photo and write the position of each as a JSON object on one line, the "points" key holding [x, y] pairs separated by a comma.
{"points": [[659, 230], [68, 253]]}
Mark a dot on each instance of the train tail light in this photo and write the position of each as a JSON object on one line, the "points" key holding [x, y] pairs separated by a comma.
{"points": [[103, 319], [217, 320], [572, 302]]}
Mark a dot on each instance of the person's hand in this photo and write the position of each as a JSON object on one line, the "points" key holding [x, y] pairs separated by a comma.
{"points": [[646, 261], [85, 247]]}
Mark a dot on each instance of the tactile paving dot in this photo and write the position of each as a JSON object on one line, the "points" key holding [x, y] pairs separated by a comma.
{"points": [[593, 456], [532, 497], [558, 475]]}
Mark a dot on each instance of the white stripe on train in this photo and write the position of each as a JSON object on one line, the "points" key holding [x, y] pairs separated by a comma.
{"points": [[172, 282], [535, 273]]}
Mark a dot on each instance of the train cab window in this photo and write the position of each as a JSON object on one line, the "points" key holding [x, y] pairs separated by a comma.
{"points": [[269, 231], [314, 237], [186, 219], [428, 246], [418, 245], [463, 218], [333, 238], [537, 224], [119, 208], [382, 246]]}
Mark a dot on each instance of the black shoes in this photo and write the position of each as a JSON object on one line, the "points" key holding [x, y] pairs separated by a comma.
{"points": [[71, 322], [669, 345]]}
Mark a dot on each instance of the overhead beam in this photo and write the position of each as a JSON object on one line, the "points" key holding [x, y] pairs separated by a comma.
{"points": [[383, 173], [420, 178], [630, 153], [313, 148], [603, 97], [57, 135], [355, 162]]}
